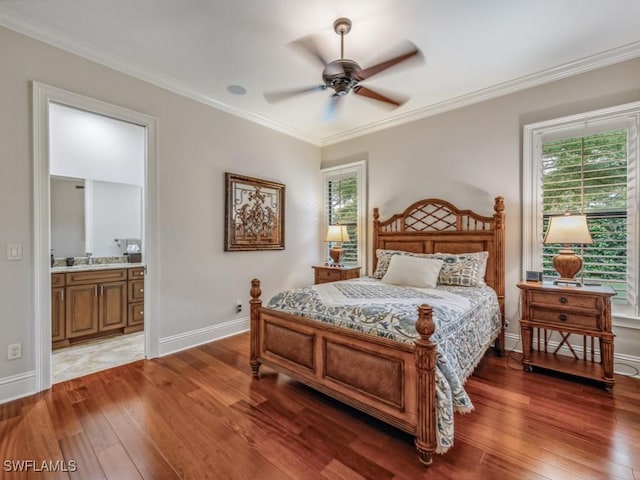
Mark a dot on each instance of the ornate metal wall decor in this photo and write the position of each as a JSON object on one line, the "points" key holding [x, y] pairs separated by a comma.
{"points": [[254, 218]]}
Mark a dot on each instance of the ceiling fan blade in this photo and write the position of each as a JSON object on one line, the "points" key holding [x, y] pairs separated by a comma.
{"points": [[309, 46], [331, 109], [367, 92], [278, 95], [411, 51]]}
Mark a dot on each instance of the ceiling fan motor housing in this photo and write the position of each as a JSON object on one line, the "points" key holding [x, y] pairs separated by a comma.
{"points": [[339, 75]]}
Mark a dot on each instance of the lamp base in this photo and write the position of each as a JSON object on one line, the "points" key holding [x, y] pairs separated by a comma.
{"points": [[337, 254], [567, 264]]}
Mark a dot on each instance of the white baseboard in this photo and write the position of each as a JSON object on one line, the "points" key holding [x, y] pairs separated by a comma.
{"points": [[182, 341], [623, 364], [17, 386], [512, 342]]}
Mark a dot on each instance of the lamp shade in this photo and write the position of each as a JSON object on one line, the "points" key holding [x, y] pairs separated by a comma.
{"points": [[337, 233], [568, 229]]}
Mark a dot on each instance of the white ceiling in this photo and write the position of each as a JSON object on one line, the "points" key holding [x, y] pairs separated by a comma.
{"points": [[473, 49]]}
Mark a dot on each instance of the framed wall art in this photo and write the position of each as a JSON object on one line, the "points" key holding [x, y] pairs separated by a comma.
{"points": [[254, 214]]}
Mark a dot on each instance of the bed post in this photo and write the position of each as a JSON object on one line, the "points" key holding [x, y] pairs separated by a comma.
{"points": [[425, 356], [499, 227], [376, 229], [255, 304]]}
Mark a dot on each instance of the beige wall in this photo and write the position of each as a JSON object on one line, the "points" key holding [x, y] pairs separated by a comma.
{"points": [[470, 155], [198, 283]]}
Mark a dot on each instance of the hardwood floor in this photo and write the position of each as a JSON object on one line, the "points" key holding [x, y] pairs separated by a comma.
{"points": [[197, 414]]}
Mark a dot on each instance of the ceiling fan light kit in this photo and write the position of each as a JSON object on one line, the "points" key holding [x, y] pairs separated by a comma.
{"points": [[344, 75]]}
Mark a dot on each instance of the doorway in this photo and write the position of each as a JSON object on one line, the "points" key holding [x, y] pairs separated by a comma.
{"points": [[95, 237]]}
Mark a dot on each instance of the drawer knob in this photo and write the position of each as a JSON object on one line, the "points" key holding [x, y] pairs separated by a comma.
{"points": [[141, 290], [562, 317], [563, 300], [141, 312]]}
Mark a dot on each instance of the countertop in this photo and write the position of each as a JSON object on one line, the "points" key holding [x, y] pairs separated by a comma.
{"points": [[95, 266]]}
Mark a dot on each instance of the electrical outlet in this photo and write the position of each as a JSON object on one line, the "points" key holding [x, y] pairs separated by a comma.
{"points": [[238, 306], [14, 351]]}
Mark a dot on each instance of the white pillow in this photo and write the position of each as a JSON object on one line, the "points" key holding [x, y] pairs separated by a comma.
{"points": [[413, 271]]}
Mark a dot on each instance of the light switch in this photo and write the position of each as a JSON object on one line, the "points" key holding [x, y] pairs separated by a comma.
{"points": [[14, 251]]}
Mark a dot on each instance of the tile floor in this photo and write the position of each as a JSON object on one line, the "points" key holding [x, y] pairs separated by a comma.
{"points": [[83, 359]]}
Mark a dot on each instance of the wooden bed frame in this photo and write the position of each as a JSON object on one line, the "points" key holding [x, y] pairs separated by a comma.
{"points": [[338, 362]]}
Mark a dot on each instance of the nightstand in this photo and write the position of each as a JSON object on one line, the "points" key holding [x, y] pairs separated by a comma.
{"points": [[326, 273], [583, 311]]}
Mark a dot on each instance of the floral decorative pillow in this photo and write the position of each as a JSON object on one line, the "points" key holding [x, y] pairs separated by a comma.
{"points": [[465, 269]]}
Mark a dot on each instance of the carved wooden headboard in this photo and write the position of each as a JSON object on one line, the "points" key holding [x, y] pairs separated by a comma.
{"points": [[436, 226]]}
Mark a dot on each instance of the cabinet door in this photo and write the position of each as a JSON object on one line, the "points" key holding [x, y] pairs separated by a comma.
{"points": [[113, 306], [136, 290], [57, 314], [81, 310], [136, 314]]}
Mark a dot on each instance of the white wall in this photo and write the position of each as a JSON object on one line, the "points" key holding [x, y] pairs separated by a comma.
{"points": [[86, 145], [198, 283], [470, 155]]}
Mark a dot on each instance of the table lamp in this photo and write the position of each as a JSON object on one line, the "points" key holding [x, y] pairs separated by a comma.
{"points": [[337, 234], [567, 229]]}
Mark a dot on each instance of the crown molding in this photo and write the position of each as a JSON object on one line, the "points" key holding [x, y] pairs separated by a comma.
{"points": [[93, 53], [592, 62]]}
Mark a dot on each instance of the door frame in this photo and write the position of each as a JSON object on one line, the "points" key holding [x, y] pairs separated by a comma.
{"points": [[43, 95]]}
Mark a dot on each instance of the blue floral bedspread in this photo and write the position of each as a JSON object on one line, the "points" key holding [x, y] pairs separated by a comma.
{"points": [[467, 320]]}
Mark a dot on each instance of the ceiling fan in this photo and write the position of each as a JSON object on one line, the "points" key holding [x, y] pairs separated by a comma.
{"points": [[344, 75]]}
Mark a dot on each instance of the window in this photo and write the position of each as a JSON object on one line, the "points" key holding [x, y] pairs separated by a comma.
{"points": [[588, 175], [587, 164], [344, 191]]}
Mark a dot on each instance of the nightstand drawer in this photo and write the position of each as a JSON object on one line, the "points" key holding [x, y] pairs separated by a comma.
{"points": [[559, 299], [560, 318], [329, 275], [326, 273]]}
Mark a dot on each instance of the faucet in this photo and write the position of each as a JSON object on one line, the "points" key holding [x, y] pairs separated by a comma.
{"points": [[88, 257]]}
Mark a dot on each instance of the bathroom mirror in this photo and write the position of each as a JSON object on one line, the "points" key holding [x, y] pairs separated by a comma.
{"points": [[94, 216]]}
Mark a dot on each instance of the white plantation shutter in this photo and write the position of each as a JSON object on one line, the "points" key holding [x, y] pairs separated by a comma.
{"points": [[343, 204], [587, 164], [633, 207]]}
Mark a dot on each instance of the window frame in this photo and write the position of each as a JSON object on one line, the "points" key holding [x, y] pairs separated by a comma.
{"points": [[359, 168], [532, 216]]}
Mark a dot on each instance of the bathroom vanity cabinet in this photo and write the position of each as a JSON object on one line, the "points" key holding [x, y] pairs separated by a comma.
{"points": [[92, 303]]}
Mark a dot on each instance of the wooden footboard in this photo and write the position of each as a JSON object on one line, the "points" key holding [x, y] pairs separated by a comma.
{"points": [[339, 363]]}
